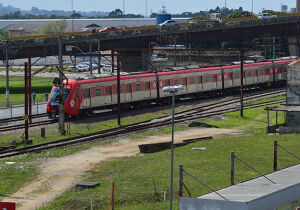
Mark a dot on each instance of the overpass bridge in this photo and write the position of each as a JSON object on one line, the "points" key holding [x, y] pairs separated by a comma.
{"points": [[137, 39]]}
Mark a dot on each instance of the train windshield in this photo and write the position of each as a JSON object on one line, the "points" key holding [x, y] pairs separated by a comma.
{"points": [[55, 93]]}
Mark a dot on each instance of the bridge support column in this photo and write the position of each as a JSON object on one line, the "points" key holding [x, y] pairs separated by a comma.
{"points": [[294, 45], [134, 60]]}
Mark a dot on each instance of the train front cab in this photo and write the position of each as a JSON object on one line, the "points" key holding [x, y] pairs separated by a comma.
{"points": [[53, 102]]}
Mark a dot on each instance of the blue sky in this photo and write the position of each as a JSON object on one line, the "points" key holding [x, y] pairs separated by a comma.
{"points": [[138, 6]]}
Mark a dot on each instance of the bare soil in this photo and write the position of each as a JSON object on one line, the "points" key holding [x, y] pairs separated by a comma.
{"points": [[60, 174]]}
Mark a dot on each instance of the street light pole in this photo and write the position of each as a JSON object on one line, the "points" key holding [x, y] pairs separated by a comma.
{"points": [[123, 13], [173, 90]]}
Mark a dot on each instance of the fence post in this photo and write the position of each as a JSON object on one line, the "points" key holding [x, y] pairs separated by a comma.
{"points": [[37, 105], [111, 203], [275, 155], [180, 180], [232, 169], [11, 110]]}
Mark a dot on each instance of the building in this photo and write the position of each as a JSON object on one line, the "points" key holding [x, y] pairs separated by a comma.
{"points": [[284, 8]]}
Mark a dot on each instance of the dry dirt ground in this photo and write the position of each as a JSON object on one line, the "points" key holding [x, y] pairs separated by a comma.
{"points": [[59, 174]]}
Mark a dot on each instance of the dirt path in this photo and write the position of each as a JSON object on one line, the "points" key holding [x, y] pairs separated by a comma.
{"points": [[59, 174]]}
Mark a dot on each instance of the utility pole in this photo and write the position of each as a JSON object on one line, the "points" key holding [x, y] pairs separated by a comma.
{"points": [[7, 75], [99, 58], [61, 89], [242, 81], [91, 58], [119, 89], [175, 52], [29, 90]]}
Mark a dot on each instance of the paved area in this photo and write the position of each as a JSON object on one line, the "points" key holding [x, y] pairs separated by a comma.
{"points": [[19, 111], [258, 193]]}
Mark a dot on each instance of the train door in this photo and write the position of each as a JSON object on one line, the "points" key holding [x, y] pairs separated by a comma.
{"points": [[230, 79], [214, 81], [147, 89], [200, 83], [87, 97], [128, 92], [185, 84], [108, 95], [255, 76]]}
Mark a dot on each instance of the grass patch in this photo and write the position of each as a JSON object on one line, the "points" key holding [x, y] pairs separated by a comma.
{"points": [[140, 181], [40, 86]]}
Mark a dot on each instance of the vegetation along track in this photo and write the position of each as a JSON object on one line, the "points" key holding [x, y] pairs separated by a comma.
{"points": [[198, 112]]}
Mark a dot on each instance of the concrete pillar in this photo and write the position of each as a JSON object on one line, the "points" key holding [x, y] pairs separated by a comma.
{"points": [[298, 6], [293, 44], [134, 60]]}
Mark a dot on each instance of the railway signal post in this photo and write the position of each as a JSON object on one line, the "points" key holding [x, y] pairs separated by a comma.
{"points": [[62, 129]]}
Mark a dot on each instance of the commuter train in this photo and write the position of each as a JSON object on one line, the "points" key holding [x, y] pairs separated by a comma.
{"points": [[84, 95]]}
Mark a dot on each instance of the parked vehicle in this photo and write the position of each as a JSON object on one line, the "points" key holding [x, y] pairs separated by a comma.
{"points": [[108, 29], [168, 23], [107, 68], [83, 96], [159, 57], [266, 16]]}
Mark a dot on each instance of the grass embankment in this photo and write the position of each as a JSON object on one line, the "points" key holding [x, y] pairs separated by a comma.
{"points": [[16, 88], [140, 181]]}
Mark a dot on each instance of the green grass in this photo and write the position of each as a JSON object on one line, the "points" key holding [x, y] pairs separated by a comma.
{"points": [[140, 181], [40, 86], [135, 177]]}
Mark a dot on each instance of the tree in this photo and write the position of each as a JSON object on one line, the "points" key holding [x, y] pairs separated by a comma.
{"points": [[4, 34], [116, 13], [240, 14], [76, 15], [273, 12], [58, 26]]}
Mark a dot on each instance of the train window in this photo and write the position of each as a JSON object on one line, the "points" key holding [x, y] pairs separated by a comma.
{"points": [[237, 75], [192, 80], [98, 91], [261, 72], [249, 73], [207, 78], [77, 94], [267, 72], [167, 82], [138, 87], [176, 82], [200, 79]]}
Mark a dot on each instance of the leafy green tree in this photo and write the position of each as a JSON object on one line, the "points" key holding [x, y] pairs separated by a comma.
{"points": [[240, 14], [273, 12], [116, 13], [4, 34], [58, 26]]}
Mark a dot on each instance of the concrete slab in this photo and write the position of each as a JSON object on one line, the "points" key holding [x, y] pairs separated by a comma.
{"points": [[258, 193]]}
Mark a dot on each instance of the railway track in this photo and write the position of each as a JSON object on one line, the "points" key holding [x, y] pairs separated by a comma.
{"points": [[15, 119], [201, 111], [49, 122], [34, 124]]}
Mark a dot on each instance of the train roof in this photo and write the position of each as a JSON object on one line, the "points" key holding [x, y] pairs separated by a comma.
{"points": [[171, 71]]}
